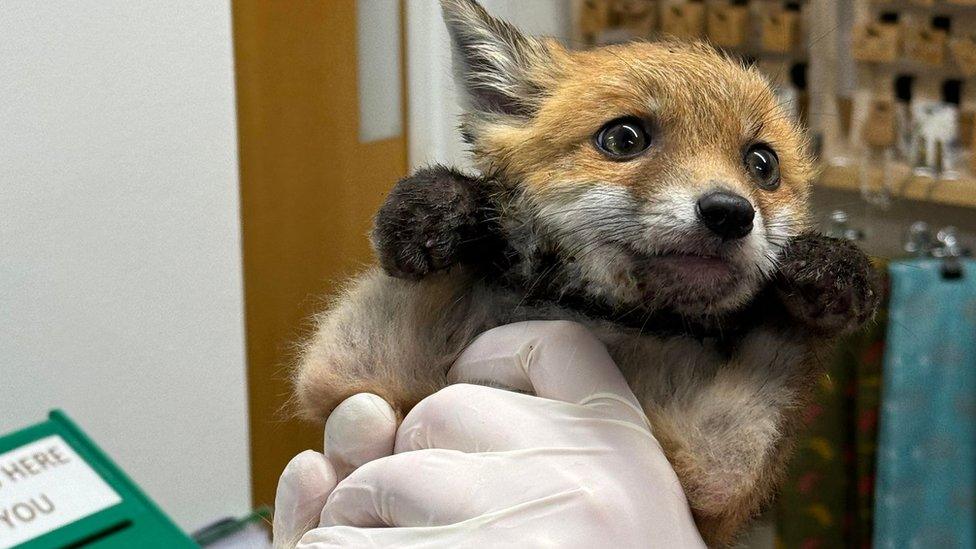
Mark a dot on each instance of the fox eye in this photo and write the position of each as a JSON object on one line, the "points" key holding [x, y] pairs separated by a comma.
{"points": [[763, 166], [623, 138]]}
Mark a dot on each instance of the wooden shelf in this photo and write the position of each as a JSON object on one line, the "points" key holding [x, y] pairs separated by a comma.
{"points": [[939, 8], [954, 192], [948, 69]]}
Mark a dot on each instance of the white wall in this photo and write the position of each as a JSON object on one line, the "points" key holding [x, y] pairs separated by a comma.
{"points": [[120, 264], [433, 106]]}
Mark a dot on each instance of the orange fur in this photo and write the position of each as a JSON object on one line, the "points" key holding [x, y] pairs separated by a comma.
{"points": [[705, 108]]}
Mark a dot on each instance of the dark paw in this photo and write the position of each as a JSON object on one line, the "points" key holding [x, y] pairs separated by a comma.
{"points": [[428, 222], [829, 285]]}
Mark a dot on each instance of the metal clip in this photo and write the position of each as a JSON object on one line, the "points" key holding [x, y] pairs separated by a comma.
{"points": [[950, 250], [919, 239], [944, 245], [838, 227]]}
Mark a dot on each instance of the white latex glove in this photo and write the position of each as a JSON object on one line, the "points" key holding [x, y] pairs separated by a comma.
{"points": [[362, 428], [575, 466]]}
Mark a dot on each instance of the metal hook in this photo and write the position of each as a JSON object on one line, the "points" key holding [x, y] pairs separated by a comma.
{"points": [[919, 239], [950, 251], [838, 227]]}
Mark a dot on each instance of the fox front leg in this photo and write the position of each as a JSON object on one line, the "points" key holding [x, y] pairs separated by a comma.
{"points": [[433, 220], [828, 286]]}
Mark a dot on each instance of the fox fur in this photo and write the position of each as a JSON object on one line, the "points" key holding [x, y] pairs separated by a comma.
{"points": [[554, 230]]}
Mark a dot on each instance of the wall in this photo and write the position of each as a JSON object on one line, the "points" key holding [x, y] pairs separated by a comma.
{"points": [[120, 277], [433, 105]]}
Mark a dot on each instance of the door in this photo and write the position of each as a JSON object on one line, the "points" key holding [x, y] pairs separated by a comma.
{"points": [[310, 184]]}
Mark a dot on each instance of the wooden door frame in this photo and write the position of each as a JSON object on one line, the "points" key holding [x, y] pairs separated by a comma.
{"points": [[308, 191]]}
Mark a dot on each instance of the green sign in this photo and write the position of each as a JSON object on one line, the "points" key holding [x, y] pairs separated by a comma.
{"points": [[57, 489]]}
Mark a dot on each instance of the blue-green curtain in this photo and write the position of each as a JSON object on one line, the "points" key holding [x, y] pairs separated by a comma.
{"points": [[926, 477]]}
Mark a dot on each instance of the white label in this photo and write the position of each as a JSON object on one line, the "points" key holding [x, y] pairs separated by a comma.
{"points": [[45, 485]]}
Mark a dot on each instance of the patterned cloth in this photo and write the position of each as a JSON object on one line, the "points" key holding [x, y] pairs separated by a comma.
{"points": [[826, 501], [927, 444]]}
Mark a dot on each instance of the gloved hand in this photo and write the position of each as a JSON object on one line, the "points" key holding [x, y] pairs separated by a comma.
{"points": [[362, 428], [575, 466]]}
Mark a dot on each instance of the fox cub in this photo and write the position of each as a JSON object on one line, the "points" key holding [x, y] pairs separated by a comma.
{"points": [[654, 192]]}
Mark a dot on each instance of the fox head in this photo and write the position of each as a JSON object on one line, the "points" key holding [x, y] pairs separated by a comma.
{"points": [[663, 175]]}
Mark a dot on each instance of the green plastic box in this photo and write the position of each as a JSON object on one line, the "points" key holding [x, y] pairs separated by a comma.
{"points": [[123, 517]]}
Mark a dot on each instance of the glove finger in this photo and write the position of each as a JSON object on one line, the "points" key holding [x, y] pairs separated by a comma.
{"points": [[349, 536], [303, 488], [558, 360], [362, 428], [426, 537], [475, 418], [430, 488]]}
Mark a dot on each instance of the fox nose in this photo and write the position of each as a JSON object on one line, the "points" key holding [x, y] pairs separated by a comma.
{"points": [[726, 214]]}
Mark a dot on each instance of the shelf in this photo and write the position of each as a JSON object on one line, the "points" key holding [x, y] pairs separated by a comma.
{"points": [[955, 192], [940, 8], [949, 68]]}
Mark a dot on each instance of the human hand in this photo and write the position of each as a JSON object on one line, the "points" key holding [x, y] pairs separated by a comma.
{"points": [[575, 466], [362, 428]]}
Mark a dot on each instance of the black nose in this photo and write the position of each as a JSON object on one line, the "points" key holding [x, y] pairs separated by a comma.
{"points": [[726, 214]]}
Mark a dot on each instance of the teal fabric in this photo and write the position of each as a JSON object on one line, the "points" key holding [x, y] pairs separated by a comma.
{"points": [[926, 480]]}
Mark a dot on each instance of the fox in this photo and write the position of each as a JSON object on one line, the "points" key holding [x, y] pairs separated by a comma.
{"points": [[654, 194]]}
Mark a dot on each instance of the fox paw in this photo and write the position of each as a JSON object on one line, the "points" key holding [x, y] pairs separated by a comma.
{"points": [[829, 285], [428, 222]]}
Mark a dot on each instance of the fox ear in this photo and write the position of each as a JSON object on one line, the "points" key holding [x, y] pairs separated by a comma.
{"points": [[496, 66]]}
